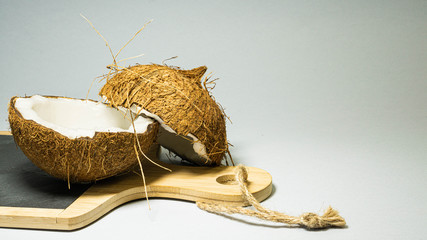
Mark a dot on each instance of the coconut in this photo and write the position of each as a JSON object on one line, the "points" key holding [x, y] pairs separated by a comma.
{"points": [[192, 123], [78, 140]]}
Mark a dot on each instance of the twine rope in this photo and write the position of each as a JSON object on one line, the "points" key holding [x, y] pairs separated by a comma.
{"points": [[330, 218]]}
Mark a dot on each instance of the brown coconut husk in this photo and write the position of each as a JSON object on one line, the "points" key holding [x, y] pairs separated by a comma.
{"points": [[177, 97], [82, 159]]}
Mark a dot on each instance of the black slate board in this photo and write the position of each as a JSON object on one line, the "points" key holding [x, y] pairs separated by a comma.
{"points": [[22, 184]]}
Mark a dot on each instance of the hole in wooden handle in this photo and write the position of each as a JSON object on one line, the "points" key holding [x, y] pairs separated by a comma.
{"points": [[227, 179]]}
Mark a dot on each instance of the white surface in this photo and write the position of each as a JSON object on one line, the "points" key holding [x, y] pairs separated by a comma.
{"points": [[328, 96], [198, 147], [76, 118]]}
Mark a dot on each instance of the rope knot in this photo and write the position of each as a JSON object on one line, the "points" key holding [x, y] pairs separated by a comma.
{"points": [[330, 218], [312, 220]]}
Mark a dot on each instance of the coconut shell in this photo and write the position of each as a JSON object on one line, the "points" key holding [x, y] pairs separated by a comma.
{"points": [[177, 97], [81, 159]]}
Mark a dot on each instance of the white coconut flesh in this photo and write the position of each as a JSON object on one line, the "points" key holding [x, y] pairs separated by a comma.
{"points": [[76, 118], [187, 147]]}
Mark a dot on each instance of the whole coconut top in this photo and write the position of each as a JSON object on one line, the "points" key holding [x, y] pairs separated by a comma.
{"points": [[177, 97]]}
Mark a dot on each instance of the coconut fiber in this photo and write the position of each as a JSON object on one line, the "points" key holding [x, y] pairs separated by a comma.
{"points": [[177, 97], [81, 159]]}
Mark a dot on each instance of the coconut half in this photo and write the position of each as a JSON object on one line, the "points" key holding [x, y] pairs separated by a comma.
{"points": [[78, 140], [192, 123]]}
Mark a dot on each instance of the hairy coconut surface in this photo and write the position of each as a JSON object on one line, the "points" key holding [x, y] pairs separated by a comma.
{"points": [[177, 98], [91, 151]]}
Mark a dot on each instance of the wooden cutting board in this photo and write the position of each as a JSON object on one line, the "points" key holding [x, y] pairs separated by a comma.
{"points": [[29, 198]]}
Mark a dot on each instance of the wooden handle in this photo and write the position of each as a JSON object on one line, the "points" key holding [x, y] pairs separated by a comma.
{"points": [[186, 183]]}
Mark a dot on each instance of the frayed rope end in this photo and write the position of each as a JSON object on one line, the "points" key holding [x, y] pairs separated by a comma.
{"points": [[330, 218]]}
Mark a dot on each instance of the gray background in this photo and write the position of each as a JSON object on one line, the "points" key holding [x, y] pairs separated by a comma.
{"points": [[328, 96]]}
